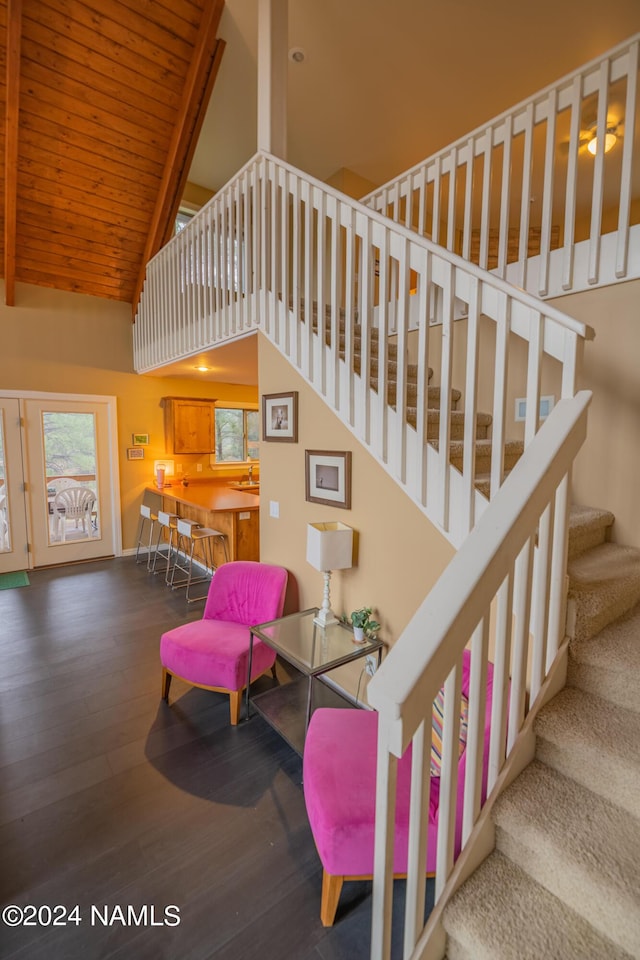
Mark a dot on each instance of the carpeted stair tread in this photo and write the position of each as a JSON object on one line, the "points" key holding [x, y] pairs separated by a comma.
{"points": [[595, 743], [392, 370], [411, 389], [512, 452], [482, 483], [510, 446], [457, 421], [604, 584], [434, 397], [579, 846], [457, 417], [608, 664], [392, 348], [588, 527], [502, 914]]}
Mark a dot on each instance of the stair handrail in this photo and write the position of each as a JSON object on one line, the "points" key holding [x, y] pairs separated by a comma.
{"points": [[275, 240], [473, 230], [518, 544]]}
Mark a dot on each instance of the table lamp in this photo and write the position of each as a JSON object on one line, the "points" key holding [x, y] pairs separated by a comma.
{"points": [[329, 547]]}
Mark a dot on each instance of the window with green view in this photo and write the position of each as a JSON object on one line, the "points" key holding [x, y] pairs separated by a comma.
{"points": [[237, 435]]}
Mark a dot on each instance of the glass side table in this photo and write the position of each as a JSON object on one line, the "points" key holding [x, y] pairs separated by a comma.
{"points": [[312, 650]]}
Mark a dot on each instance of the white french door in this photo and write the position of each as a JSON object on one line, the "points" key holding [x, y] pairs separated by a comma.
{"points": [[13, 516], [65, 481]]}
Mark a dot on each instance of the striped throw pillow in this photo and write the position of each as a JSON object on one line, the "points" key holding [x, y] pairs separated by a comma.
{"points": [[437, 716]]}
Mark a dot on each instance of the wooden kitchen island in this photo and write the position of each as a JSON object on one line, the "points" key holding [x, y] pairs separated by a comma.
{"points": [[213, 503]]}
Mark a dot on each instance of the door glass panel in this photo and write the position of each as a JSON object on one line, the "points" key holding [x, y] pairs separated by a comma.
{"points": [[71, 460], [5, 530]]}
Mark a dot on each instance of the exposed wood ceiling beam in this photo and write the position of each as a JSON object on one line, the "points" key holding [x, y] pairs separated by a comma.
{"points": [[197, 91], [192, 140], [14, 37]]}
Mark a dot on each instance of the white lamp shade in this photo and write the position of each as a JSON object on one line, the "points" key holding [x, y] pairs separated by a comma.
{"points": [[330, 545]]}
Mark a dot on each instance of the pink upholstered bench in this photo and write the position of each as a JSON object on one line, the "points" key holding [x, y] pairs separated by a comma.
{"points": [[339, 788]]}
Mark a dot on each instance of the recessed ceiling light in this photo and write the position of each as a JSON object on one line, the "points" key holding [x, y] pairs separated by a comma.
{"points": [[297, 55], [202, 369]]}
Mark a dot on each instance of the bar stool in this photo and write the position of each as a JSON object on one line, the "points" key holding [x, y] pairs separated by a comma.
{"points": [[168, 522], [189, 539], [145, 517]]}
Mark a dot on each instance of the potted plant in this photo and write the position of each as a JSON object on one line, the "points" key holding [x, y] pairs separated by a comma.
{"points": [[363, 626]]}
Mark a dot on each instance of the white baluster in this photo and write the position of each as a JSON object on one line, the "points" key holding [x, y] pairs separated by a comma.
{"points": [[598, 176], [628, 146], [547, 192]]}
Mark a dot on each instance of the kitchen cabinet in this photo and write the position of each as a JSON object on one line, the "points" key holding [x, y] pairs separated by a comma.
{"points": [[190, 425]]}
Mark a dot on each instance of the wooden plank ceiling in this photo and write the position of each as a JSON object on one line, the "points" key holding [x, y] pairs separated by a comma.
{"points": [[101, 104]]}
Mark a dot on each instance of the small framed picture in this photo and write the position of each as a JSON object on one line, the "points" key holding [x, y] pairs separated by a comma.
{"points": [[140, 439], [135, 453], [327, 475], [280, 417]]}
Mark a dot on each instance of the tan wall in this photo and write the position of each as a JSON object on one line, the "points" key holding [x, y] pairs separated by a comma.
{"points": [[66, 343], [195, 196], [400, 553], [350, 183], [608, 466], [550, 379]]}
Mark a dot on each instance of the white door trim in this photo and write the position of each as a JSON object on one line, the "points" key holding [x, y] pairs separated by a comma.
{"points": [[114, 473]]}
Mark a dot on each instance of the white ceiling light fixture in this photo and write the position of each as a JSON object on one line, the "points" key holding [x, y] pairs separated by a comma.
{"points": [[610, 139], [297, 55]]}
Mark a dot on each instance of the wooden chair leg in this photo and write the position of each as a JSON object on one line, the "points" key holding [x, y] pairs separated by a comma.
{"points": [[166, 683], [331, 888], [235, 702]]}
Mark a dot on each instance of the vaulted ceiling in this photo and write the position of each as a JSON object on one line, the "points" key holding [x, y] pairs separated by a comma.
{"points": [[101, 104]]}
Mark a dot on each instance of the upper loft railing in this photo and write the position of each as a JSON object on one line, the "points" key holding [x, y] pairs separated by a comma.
{"points": [[525, 196], [502, 598], [318, 273]]}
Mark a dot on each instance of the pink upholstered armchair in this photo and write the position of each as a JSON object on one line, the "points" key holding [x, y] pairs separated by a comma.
{"points": [[213, 653], [339, 776]]}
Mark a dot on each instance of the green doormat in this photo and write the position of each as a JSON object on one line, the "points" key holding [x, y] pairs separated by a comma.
{"points": [[9, 580]]}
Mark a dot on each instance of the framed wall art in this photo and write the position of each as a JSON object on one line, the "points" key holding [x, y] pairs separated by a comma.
{"points": [[135, 453], [280, 417], [327, 475]]}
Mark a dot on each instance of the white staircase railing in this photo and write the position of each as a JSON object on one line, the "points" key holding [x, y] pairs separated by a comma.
{"points": [[317, 273], [504, 591], [524, 196]]}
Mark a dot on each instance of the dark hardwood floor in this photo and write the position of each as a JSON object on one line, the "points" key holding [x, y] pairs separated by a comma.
{"points": [[111, 798]]}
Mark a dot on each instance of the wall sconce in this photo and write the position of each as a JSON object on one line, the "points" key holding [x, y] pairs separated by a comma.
{"points": [[329, 547], [610, 139]]}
